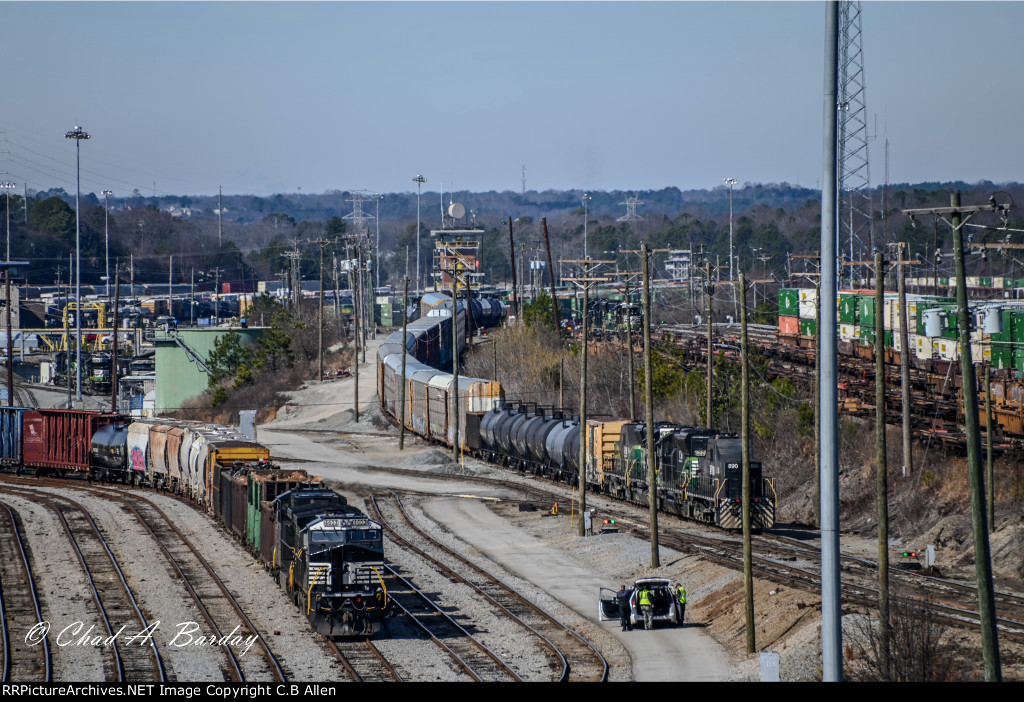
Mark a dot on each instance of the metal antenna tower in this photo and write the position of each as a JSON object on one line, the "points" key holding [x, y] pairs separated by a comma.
{"points": [[855, 206], [631, 215]]}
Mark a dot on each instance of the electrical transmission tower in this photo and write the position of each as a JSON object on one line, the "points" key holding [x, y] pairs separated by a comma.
{"points": [[631, 215], [855, 206]]}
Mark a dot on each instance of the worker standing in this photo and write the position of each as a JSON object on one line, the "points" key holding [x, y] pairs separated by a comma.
{"points": [[681, 595], [646, 606], [622, 597]]}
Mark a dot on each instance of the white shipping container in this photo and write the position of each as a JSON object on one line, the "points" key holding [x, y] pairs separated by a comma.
{"points": [[809, 295], [849, 332], [923, 347], [807, 309], [981, 351], [947, 349], [890, 313]]}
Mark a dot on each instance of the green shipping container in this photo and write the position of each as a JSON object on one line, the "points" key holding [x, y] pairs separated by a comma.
{"points": [[849, 305], [866, 310], [1002, 354], [1014, 327], [808, 327], [789, 302]]}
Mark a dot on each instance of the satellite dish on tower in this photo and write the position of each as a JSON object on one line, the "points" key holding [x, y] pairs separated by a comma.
{"points": [[456, 210]]}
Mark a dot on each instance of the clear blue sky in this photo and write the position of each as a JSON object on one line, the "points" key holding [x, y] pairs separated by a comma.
{"points": [[265, 97]]}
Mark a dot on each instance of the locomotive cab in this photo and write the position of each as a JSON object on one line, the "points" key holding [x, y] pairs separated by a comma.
{"points": [[340, 574]]}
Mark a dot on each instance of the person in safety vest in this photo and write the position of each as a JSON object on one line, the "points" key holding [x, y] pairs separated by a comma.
{"points": [[681, 595], [646, 606]]}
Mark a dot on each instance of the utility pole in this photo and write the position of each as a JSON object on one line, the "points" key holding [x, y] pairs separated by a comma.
{"points": [[979, 522], [629, 346], [881, 476], [652, 443], [170, 286], [220, 217], [901, 276], [401, 392], [10, 337], [106, 238], [512, 255], [355, 328], [455, 356], [584, 283], [216, 296], [322, 243], [709, 290], [113, 360], [748, 568], [551, 275], [989, 468], [629, 321]]}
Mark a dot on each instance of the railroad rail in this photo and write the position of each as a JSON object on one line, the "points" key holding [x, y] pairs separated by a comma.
{"points": [[219, 608], [363, 662], [19, 606], [468, 653], [114, 600], [859, 576], [580, 660]]}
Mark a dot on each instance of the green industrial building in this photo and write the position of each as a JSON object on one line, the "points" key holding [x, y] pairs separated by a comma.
{"points": [[181, 361]]}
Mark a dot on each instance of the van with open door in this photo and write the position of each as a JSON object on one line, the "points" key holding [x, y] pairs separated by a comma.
{"points": [[666, 606]]}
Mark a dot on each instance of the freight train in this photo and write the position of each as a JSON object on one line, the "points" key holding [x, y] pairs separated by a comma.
{"points": [[699, 470], [326, 554]]}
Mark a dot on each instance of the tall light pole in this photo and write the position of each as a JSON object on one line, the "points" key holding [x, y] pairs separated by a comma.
{"points": [[419, 180], [106, 236], [8, 187], [586, 199], [731, 182], [376, 260], [78, 134]]}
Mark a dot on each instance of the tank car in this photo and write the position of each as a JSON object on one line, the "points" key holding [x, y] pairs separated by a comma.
{"points": [[110, 452]]}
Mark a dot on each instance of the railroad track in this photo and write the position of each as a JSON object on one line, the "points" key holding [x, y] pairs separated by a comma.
{"points": [[223, 615], [941, 596], [19, 607], [363, 662], [114, 600], [468, 653], [578, 659]]}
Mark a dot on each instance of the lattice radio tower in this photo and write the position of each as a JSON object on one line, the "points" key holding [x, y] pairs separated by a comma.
{"points": [[855, 206]]}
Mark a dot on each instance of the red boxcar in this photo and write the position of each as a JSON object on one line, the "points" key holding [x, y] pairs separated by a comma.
{"points": [[62, 439]]}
